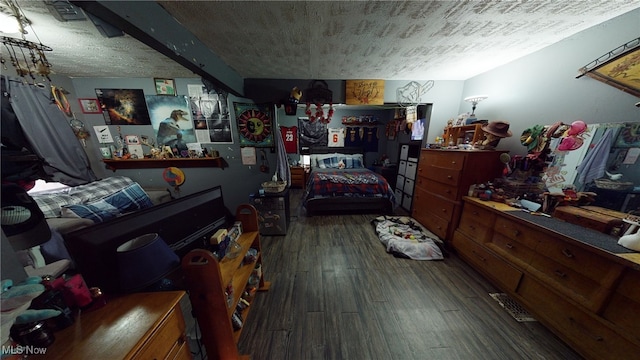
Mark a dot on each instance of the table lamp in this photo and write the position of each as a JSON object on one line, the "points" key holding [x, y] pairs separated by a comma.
{"points": [[143, 261]]}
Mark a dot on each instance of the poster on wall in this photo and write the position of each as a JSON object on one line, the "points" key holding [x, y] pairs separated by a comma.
{"points": [[312, 133], [211, 118], [255, 124], [123, 106], [171, 120]]}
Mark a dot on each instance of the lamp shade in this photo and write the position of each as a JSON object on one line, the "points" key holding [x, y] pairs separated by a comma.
{"points": [[22, 220], [143, 261]]}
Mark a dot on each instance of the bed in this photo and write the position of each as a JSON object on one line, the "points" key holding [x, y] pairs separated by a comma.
{"points": [[339, 182]]}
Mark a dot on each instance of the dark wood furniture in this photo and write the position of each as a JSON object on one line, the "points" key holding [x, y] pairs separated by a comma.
{"points": [[208, 280], [136, 326], [444, 177], [576, 281], [298, 177]]}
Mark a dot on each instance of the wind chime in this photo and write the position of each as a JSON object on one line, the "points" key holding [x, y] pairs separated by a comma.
{"points": [[28, 58]]}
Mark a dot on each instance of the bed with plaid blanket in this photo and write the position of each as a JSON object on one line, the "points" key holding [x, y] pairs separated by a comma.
{"points": [[355, 184]]}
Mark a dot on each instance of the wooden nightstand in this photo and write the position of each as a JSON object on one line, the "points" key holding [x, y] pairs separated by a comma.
{"points": [[135, 326], [298, 176]]}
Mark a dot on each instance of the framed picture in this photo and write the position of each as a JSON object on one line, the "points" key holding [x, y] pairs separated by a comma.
{"points": [[123, 106], [629, 136], [132, 140], [165, 86], [255, 124], [90, 106], [619, 68]]}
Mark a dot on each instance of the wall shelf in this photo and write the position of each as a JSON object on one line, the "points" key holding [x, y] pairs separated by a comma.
{"points": [[114, 165]]}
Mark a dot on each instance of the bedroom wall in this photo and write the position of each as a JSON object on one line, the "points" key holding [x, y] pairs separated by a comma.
{"points": [[234, 192], [542, 88]]}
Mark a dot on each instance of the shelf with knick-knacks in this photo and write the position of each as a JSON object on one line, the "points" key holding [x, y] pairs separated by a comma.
{"points": [[213, 162], [456, 135]]}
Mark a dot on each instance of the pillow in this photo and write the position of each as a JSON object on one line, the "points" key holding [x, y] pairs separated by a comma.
{"points": [[352, 162], [329, 163], [97, 211], [131, 198]]}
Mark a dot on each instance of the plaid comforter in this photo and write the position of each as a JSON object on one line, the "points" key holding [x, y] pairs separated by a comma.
{"points": [[51, 203], [347, 182]]}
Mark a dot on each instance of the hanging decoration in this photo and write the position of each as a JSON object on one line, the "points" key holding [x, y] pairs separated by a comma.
{"points": [[255, 124], [319, 114], [28, 58], [174, 177]]}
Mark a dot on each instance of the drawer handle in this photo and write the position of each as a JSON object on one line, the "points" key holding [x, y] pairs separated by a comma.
{"points": [[472, 227], [448, 191], [560, 274], [585, 330], [444, 210], [567, 253], [453, 161], [479, 256], [516, 233], [475, 213], [509, 246], [449, 177]]}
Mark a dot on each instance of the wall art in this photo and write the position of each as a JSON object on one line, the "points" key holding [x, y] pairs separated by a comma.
{"points": [[90, 106], [255, 124], [165, 86], [123, 106], [619, 68], [171, 120]]}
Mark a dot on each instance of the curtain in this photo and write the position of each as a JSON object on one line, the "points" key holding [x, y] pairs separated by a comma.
{"points": [[283, 170], [47, 131]]}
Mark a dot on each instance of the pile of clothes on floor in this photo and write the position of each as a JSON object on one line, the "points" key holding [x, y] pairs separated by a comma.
{"points": [[405, 237]]}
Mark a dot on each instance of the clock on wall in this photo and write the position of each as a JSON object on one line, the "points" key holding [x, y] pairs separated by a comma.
{"points": [[255, 126]]}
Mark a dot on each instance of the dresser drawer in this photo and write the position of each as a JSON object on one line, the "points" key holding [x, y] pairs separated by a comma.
{"points": [[625, 314], [448, 191], [444, 160], [583, 331], [446, 176], [476, 223], [569, 282], [165, 338], [516, 231], [435, 224], [630, 285], [488, 263], [512, 250], [590, 264], [437, 206]]}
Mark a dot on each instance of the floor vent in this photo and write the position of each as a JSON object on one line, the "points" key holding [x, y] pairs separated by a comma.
{"points": [[512, 307]]}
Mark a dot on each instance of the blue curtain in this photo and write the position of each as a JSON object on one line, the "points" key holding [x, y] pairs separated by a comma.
{"points": [[47, 131]]}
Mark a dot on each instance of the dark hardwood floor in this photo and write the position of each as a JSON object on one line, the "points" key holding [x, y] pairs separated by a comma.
{"points": [[337, 294]]}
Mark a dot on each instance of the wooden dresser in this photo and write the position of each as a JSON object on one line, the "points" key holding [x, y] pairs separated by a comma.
{"points": [[588, 296], [444, 177], [298, 176], [136, 326]]}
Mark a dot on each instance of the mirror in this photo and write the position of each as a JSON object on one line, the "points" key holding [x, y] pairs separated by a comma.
{"points": [[608, 164]]}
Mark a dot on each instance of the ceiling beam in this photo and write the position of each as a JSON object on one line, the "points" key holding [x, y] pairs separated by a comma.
{"points": [[151, 24]]}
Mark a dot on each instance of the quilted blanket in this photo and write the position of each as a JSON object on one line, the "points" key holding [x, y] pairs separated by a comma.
{"points": [[347, 182], [405, 237]]}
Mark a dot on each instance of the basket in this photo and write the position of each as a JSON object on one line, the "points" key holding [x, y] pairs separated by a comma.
{"points": [[613, 185], [274, 186]]}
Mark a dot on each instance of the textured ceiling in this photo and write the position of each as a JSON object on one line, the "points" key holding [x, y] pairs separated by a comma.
{"points": [[392, 40]]}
